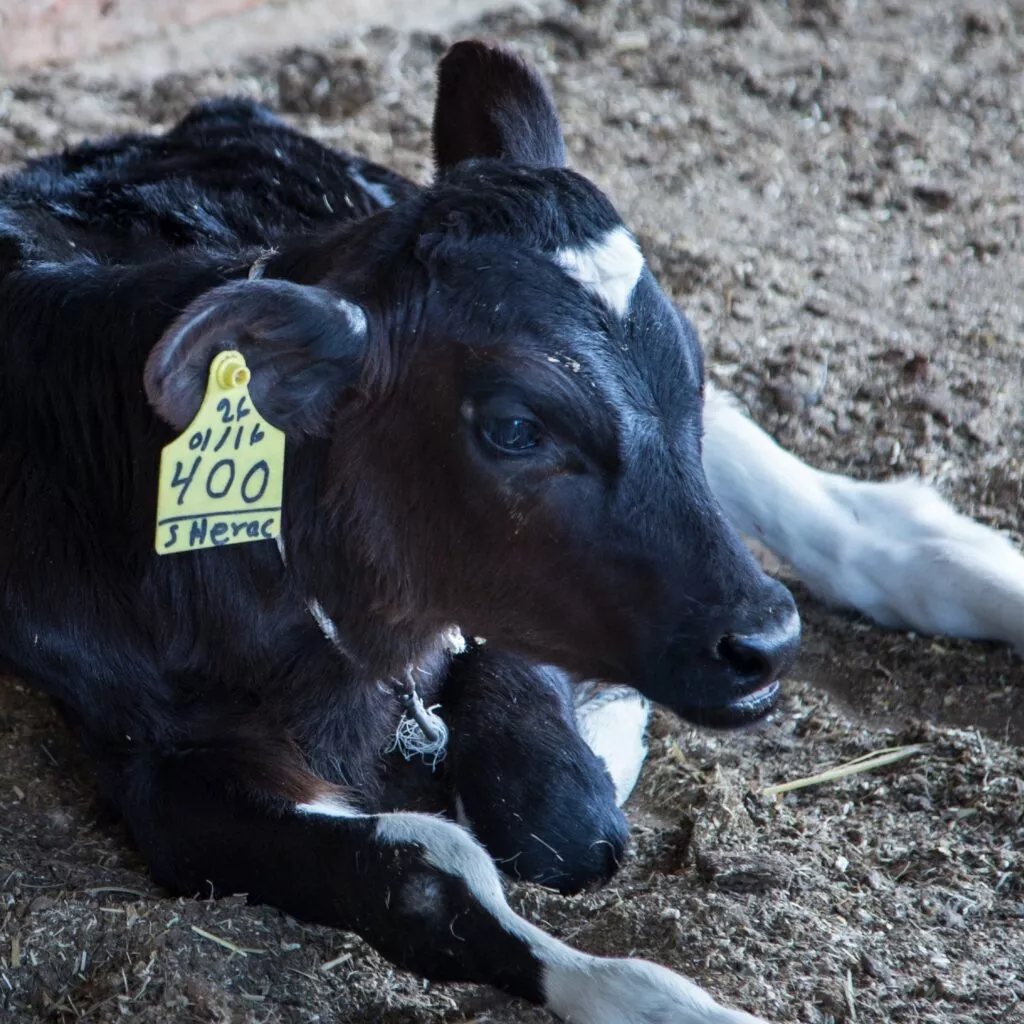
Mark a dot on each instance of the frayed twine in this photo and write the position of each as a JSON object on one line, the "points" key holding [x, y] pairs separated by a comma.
{"points": [[420, 733]]}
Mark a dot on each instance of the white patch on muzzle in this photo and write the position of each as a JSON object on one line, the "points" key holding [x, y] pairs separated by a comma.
{"points": [[609, 268]]}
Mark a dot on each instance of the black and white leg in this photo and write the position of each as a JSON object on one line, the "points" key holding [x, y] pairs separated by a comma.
{"points": [[522, 958], [539, 798], [419, 888], [613, 722], [895, 551]]}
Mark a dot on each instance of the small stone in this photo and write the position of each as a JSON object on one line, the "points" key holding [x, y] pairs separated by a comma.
{"points": [[632, 41]]}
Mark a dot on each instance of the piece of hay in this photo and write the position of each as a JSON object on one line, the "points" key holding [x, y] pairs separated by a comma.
{"points": [[864, 763], [226, 943]]}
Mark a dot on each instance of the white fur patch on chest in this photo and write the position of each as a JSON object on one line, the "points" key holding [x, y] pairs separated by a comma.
{"points": [[609, 268]]}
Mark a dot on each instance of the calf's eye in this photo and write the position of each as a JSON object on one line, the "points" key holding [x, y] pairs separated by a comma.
{"points": [[513, 435]]}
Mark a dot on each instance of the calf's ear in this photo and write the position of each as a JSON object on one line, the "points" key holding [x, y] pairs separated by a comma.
{"points": [[492, 104], [302, 344]]}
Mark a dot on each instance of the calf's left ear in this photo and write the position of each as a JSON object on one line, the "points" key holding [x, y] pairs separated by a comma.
{"points": [[491, 104], [302, 344]]}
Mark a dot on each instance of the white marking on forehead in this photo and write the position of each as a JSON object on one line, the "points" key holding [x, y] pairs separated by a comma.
{"points": [[610, 268]]}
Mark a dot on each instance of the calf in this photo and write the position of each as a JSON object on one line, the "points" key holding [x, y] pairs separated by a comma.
{"points": [[493, 422]]}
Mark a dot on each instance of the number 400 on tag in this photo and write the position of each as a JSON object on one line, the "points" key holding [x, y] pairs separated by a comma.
{"points": [[221, 480]]}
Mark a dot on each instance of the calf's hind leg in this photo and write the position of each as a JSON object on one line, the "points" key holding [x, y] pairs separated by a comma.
{"points": [[418, 888], [893, 551]]}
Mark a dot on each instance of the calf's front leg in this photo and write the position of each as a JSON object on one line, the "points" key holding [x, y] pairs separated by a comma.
{"points": [[418, 888], [524, 779]]}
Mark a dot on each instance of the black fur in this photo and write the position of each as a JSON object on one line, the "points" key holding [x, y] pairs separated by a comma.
{"points": [[209, 697]]}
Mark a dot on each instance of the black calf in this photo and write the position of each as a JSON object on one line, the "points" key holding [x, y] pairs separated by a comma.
{"points": [[493, 420]]}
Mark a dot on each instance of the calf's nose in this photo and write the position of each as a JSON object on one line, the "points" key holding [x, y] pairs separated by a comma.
{"points": [[758, 657], [730, 676]]}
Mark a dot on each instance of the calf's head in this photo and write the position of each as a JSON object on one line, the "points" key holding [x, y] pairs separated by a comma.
{"points": [[510, 415]]}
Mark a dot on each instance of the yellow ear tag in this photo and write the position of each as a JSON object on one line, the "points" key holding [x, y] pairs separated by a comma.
{"points": [[221, 481]]}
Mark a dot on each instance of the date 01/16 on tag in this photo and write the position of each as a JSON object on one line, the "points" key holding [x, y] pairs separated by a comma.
{"points": [[221, 480]]}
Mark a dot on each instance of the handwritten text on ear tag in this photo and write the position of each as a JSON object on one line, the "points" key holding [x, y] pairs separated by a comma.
{"points": [[221, 481]]}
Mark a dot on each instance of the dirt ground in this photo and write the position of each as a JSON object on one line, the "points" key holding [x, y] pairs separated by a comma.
{"points": [[833, 188]]}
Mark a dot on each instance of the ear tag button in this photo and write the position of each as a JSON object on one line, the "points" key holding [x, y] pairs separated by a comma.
{"points": [[221, 481]]}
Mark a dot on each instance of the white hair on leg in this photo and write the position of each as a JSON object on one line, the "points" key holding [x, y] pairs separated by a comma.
{"points": [[578, 988], [613, 722], [596, 990], [354, 314], [894, 551], [328, 807]]}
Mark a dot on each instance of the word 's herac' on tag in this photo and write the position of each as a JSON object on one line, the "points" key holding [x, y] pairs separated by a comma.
{"points": [[221, 480]]}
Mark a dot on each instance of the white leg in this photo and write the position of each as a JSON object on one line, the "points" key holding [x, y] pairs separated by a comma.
{"points": [[437, 889], [577, 988], [613, 722], [894, 551]]}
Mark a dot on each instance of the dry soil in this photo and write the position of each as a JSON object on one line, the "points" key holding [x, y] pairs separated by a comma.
{"points": [[833, 189]]}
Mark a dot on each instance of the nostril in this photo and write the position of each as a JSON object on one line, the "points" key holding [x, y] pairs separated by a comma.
{"points": [[745, 659], [761, 657]]}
